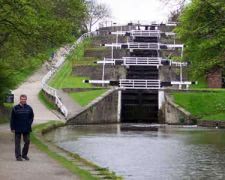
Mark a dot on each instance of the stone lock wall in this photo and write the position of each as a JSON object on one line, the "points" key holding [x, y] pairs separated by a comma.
{"points": [[103, 110], [95, 72], [174, 114], [105, 52]]}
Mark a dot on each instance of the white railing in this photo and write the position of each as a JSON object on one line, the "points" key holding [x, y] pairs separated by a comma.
{"points": [[44, 83], [150, 46], [132, 45], [134, 23], [146, 33], [143, 33], [139, 84], [131, 61], [139, 33], [154, 46]]}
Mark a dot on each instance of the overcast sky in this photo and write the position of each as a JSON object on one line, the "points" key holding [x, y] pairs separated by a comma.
{"points": [[124, 11]]}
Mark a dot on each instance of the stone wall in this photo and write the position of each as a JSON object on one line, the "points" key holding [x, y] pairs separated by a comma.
{"points": [[106, 30], [206, 123], [95, 72], [107, 39], [105, 52], [101, 111], [174, 114], [73, 90]]}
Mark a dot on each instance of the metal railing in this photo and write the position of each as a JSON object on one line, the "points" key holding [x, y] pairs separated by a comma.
{"points": [[139, 84], [134, 23], [44, 83], [137, 61], [144, 46]]}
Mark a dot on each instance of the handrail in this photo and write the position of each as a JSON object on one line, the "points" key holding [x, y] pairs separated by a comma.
{"points": [[44, 82], [139, 83]]}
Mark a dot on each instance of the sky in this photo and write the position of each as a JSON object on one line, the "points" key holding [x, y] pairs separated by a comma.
{"points": [[124, 11]]}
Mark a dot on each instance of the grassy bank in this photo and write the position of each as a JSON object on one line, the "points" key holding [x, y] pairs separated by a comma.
{"points": [[65, 79], [84, 98], [204, 105], [43, 98], [38, 140]]}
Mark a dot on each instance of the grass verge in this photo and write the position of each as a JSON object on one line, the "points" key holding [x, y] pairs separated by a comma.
{"points": [[37, 139], [204, 105], [64, 79], [84, 98], [42, 97]]}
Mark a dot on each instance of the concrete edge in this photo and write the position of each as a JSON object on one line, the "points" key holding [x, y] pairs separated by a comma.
{"points": [[170, 101]]}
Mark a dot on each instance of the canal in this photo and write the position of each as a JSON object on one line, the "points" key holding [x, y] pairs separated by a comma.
{"points": [[169, 153]]}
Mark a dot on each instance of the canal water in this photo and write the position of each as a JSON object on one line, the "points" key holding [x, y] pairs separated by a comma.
{"points": [[169, 153]]}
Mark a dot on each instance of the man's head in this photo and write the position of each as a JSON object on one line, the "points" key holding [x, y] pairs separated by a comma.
{"points": [[23, 99]]}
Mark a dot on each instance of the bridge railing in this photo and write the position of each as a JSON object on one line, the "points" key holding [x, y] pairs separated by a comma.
{"points": [[44, 83]]}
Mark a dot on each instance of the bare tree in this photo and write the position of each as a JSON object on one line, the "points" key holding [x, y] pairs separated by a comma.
{"points": [[180, 4], [96, 12]]}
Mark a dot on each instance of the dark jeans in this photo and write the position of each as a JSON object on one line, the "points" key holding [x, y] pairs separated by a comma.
{"points": [[26, 139]]}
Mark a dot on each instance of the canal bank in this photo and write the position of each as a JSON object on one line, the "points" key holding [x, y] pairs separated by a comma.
{"points": [[81, 167]]}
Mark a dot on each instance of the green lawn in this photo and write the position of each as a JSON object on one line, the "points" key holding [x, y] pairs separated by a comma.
{"points": [[84, 98], [206, 105], [85, 61], [43, 98], [64, 78], [201, 84]]}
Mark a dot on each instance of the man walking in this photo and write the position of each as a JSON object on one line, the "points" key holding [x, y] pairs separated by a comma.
{"points": [[21, 120]]}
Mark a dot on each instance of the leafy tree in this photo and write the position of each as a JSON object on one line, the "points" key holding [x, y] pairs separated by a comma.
{"points": [[202, 29], [29, 29]]}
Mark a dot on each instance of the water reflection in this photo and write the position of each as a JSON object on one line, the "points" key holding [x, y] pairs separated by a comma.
{"points": [[169, 153]]}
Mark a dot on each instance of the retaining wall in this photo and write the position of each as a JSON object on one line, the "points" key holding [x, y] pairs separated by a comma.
{"points": [[174, 114], [95, 72], [102, 110]]}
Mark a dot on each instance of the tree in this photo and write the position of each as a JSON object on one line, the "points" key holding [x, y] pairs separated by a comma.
{"points": [[180, 4], [202, 29], [96, 12], [30, 29]]}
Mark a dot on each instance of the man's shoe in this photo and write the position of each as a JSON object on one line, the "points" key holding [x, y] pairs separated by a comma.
{"points": [[19, 159], [26, 158]]}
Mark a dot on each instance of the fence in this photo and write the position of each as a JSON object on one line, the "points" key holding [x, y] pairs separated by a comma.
{"points": [[52, 91]]}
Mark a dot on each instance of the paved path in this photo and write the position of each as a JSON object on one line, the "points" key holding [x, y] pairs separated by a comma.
{"points": [[73, 107], [31, 88], [40, 167]]}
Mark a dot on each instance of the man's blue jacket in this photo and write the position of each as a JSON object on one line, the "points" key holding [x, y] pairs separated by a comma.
{"points": [[22, 117]]}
